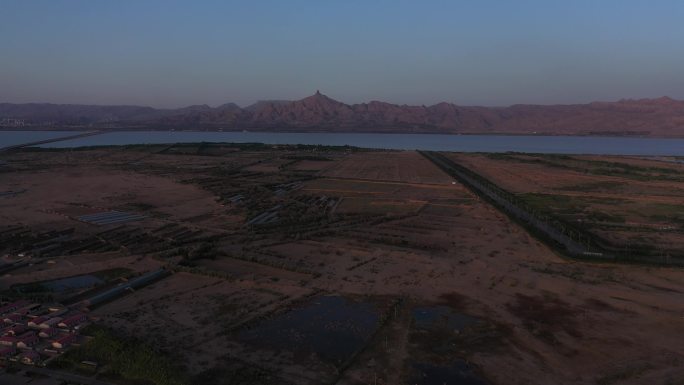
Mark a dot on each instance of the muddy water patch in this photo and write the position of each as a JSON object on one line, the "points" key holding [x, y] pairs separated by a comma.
{"points": [[441, 317], [331, 328], [441, 339], [457, 373], [60, 285]]}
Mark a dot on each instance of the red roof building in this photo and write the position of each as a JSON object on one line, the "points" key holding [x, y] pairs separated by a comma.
{"points": [[30, 357], [52, 322], [16, 330], [37, 321], [64, 342], [12, 318], [49, 332], [72, 321], [10, 307], [8, 341], [27, 340], [7, 352]]}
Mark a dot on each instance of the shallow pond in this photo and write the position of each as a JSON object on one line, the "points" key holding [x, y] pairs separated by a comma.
{"points": [[72, 283], [441, 317], [331, 327], [458, 373]]}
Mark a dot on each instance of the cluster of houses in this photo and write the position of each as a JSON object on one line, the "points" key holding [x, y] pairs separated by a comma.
{"points": [[31, 332]]}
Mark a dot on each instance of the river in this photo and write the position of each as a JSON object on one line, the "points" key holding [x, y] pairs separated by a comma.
{"points": [[431, 142]]}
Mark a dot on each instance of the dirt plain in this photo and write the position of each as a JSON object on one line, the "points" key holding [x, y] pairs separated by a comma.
{"points": [[628, 201], [370, 267]]}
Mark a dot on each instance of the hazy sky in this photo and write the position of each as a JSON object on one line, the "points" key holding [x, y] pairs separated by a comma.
{"points": [[167, 53]]}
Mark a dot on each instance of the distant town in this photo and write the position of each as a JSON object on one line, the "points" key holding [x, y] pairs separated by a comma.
{"points": [[35, 333]]}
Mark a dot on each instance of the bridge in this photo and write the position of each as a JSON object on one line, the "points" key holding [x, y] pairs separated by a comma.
{"points": [[46, 141]]}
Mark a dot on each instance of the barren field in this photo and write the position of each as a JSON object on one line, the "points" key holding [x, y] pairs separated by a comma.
{"points": [[625, 201], [405, 166], [308, 265]]}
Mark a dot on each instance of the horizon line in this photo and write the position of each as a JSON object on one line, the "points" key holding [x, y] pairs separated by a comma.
{"points": [[621, 100]]}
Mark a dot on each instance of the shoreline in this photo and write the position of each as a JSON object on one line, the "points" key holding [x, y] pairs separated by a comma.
{"points": [[311, 131]]}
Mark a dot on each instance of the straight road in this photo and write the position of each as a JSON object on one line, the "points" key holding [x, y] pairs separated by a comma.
{"points": [[37, 143], [571, 246], [69, 377]]}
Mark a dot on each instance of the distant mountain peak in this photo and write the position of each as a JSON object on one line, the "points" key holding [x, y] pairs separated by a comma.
{"points": [[320, 98], [662, 116], [318, 94], [267, 103], [196, 107], [231, 106], [665, 100]]}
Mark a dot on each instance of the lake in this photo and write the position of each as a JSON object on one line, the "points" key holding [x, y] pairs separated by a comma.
{"points": [[435, 142]]}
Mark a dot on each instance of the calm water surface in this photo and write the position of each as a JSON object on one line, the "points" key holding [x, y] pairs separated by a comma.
{"points": [[10, 138], [461, 143]]}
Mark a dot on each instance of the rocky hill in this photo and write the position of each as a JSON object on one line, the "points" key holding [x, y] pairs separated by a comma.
{"points": [[647, 117]]}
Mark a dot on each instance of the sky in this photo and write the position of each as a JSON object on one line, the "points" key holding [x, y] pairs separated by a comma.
{"points": [[166, 53]]}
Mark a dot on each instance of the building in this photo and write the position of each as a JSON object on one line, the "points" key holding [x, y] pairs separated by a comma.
{"points": [[30, 357], [12, 122], [8, 341], [12, 306], [64, 341], [27, 309], [7, 353], [72, 321], [47, 333], [57, 309], [27, 340], [16, 330], [37, 321], [12, 318], [52, 322]]}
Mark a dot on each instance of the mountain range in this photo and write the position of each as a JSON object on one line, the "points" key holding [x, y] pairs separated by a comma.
{"points": [[662, 117]]}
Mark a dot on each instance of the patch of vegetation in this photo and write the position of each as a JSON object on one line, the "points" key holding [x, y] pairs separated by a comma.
{"points": [[594, 167], [237, 374], [560, 205], [599, 216], [32, 288], [141, 206], [545, 315], [625, 170], [554, 204], [111, 274], [501, 156], [595, 186], [624, 374], [309, 157], [126, 358]]}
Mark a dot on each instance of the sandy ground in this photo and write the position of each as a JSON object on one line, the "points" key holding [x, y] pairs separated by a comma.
{"points": [[407, 166], [403, 230], [644, 210], [191, 313], [46, 199]]}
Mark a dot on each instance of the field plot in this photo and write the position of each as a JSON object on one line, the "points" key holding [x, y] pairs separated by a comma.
{"points": [[405, 166], [90, 188], [311, 342], [628, 203], [273, 165], [372, 206], [395, 190], [315, 265], [368, 199], [192, 314], [312, 165]]}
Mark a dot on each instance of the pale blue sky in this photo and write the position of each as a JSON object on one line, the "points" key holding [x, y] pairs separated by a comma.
{"points": [[168, 53]]}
